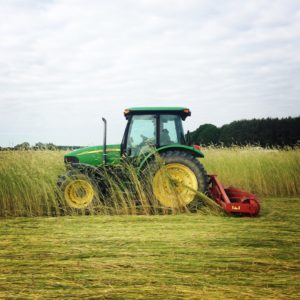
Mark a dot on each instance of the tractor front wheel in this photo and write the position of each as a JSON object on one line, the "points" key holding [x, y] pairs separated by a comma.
{"points": [[78, 190]]}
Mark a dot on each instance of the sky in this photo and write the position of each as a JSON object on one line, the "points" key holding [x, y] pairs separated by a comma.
{"points": [[66, 63]]}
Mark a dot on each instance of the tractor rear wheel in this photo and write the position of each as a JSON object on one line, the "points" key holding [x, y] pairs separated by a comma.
{"points": [[78, 189], [178, 178]]}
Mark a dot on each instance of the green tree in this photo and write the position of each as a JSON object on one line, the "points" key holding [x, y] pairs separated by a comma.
{"points": [[264, 132], [206, 134], [39, 146], [23, 146]]}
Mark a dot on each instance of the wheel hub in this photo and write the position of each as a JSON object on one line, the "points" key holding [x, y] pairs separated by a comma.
{"points": [[79, 193]]}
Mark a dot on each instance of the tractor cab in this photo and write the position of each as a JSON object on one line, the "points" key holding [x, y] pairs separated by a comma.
{"points": [[153, 127]]}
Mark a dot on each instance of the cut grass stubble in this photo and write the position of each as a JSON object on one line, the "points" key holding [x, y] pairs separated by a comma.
{"points": [[187, 256]]}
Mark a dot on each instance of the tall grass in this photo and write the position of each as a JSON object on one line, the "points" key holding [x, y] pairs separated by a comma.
{"points": [[28, 181], [266, 172]]}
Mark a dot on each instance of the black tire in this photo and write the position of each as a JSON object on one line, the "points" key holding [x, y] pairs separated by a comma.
{"points": [[176, 157]]}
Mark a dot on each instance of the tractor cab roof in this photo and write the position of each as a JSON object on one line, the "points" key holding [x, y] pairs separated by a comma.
{"points": [[182, 111]]}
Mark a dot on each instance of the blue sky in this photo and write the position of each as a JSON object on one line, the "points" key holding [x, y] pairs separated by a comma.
{"points": [[64, 64]]}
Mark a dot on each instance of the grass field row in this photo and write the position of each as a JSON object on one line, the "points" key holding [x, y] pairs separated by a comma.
{"points": [[28, 179], [187, 256]]}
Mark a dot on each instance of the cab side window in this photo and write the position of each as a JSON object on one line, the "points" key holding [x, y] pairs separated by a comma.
{"points": [[169, 130]]}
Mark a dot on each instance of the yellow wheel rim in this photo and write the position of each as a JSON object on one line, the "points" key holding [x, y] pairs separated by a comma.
{"points": [[79, 193], [175, 185]]}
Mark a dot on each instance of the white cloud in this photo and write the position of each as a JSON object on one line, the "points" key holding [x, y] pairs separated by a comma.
{"points": [[63, 64]]}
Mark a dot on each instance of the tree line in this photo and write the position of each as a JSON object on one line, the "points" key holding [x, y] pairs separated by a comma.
{"points": [[269, 132], [39, 146]]}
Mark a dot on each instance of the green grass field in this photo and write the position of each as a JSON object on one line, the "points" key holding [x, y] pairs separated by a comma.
{"points": [[118, 254], [188, 256]]}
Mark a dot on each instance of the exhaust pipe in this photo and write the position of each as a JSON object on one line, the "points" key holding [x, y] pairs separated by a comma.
{"points": [[104, 142]]}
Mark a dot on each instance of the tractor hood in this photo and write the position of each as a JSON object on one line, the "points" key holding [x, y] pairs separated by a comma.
{"points": [[94, 155]]}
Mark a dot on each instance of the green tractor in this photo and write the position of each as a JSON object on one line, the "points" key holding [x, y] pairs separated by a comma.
{"points": [[151, 132]]}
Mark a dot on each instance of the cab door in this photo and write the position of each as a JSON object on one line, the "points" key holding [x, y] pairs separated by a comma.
{"points": [[141, 135]]}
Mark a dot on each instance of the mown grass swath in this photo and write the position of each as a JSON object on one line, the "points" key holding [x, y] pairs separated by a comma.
{"points": [[28, 181], [153, 257]]}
